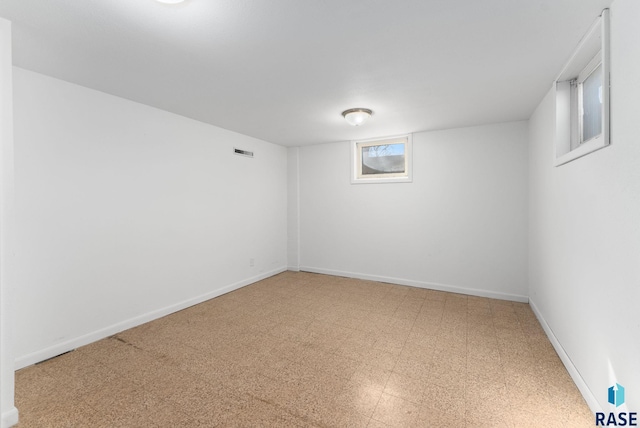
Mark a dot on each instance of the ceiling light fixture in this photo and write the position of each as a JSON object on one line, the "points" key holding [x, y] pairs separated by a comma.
{"points": [[356, 116], [170, 1]]}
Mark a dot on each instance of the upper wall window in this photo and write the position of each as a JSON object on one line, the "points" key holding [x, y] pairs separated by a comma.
{"points": [[382, 160], [582, 96]]}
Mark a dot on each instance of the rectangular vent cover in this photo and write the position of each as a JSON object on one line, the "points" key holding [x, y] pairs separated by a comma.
{"points": [[243, 152]]}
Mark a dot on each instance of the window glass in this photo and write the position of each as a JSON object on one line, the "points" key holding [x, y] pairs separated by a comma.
{"points": [[592, 105], [383, 159]]}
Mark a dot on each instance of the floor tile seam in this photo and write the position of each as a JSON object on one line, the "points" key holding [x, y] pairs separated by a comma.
{"points": [[380, 398], [282, 408], [416, 402], [495, 331], [93, 358], [397, 358], [148, 351], [164, 359]]}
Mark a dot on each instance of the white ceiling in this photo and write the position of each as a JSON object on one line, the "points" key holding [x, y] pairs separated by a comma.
{"points": [[284, 70]]}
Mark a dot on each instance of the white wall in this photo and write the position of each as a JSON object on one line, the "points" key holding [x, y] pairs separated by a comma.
{"points": [[8, 412], [585, 233], [460, 226], [293, 207], [126, 213]]}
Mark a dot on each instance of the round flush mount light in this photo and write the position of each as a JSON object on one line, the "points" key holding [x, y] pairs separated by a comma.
{"points": [[356, 116]]}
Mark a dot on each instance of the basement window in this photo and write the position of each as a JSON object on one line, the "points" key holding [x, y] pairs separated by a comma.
{"points": [[381, 160], [582, 96]]}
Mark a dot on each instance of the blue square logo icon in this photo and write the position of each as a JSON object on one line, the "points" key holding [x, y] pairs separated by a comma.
{"points": [[616, 395]]}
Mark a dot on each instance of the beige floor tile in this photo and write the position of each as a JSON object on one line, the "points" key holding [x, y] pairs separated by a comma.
{"points": [[493, 420], [307, 350], [480, 326], [133, 408], [291, 373], [376, 424], [272, 391], [483, 354], [390, 343], [371, 376], [579, 417], [446, 375], [477, 341], [450, 401], [139, 367], [428, 417], [422, 337], [253, 412], [487, 406], [212, 409], [168, 415], [360, 397], [413, 367], [335, 416], [108, 351], [427, 325], [35, 388], [526, 419], [452, 343], [399, 325], [422, 350], [71, 413], [449, 361], [489, 375], [436, 295], [395, 411], [406, 387], [380, 358]]}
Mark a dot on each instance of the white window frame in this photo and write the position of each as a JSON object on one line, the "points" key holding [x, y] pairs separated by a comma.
{"points": [[356, 160], [592, 51]]}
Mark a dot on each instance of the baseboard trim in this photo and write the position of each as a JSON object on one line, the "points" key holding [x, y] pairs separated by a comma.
{"points": [[9, 418], [420, 284], [77, 342], [293, 268], [588, 396]]}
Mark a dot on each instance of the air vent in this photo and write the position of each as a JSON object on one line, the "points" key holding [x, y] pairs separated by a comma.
{"points": [[241, 152]]}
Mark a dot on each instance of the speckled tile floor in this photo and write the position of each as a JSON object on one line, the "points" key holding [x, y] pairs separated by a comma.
{"points": [[299, 350]]}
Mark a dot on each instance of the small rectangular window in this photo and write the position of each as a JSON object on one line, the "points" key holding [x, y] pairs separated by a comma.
{"points": [[382, 160], [582, 96]]}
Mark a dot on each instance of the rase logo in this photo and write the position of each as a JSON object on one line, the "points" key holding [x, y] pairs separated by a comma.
{"points": [[615, 397]]}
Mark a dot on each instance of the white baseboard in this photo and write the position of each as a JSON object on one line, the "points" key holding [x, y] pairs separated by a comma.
{"points": [[41, 355], [591, 400], [293, 268], [420, 284], [9, 418]]}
